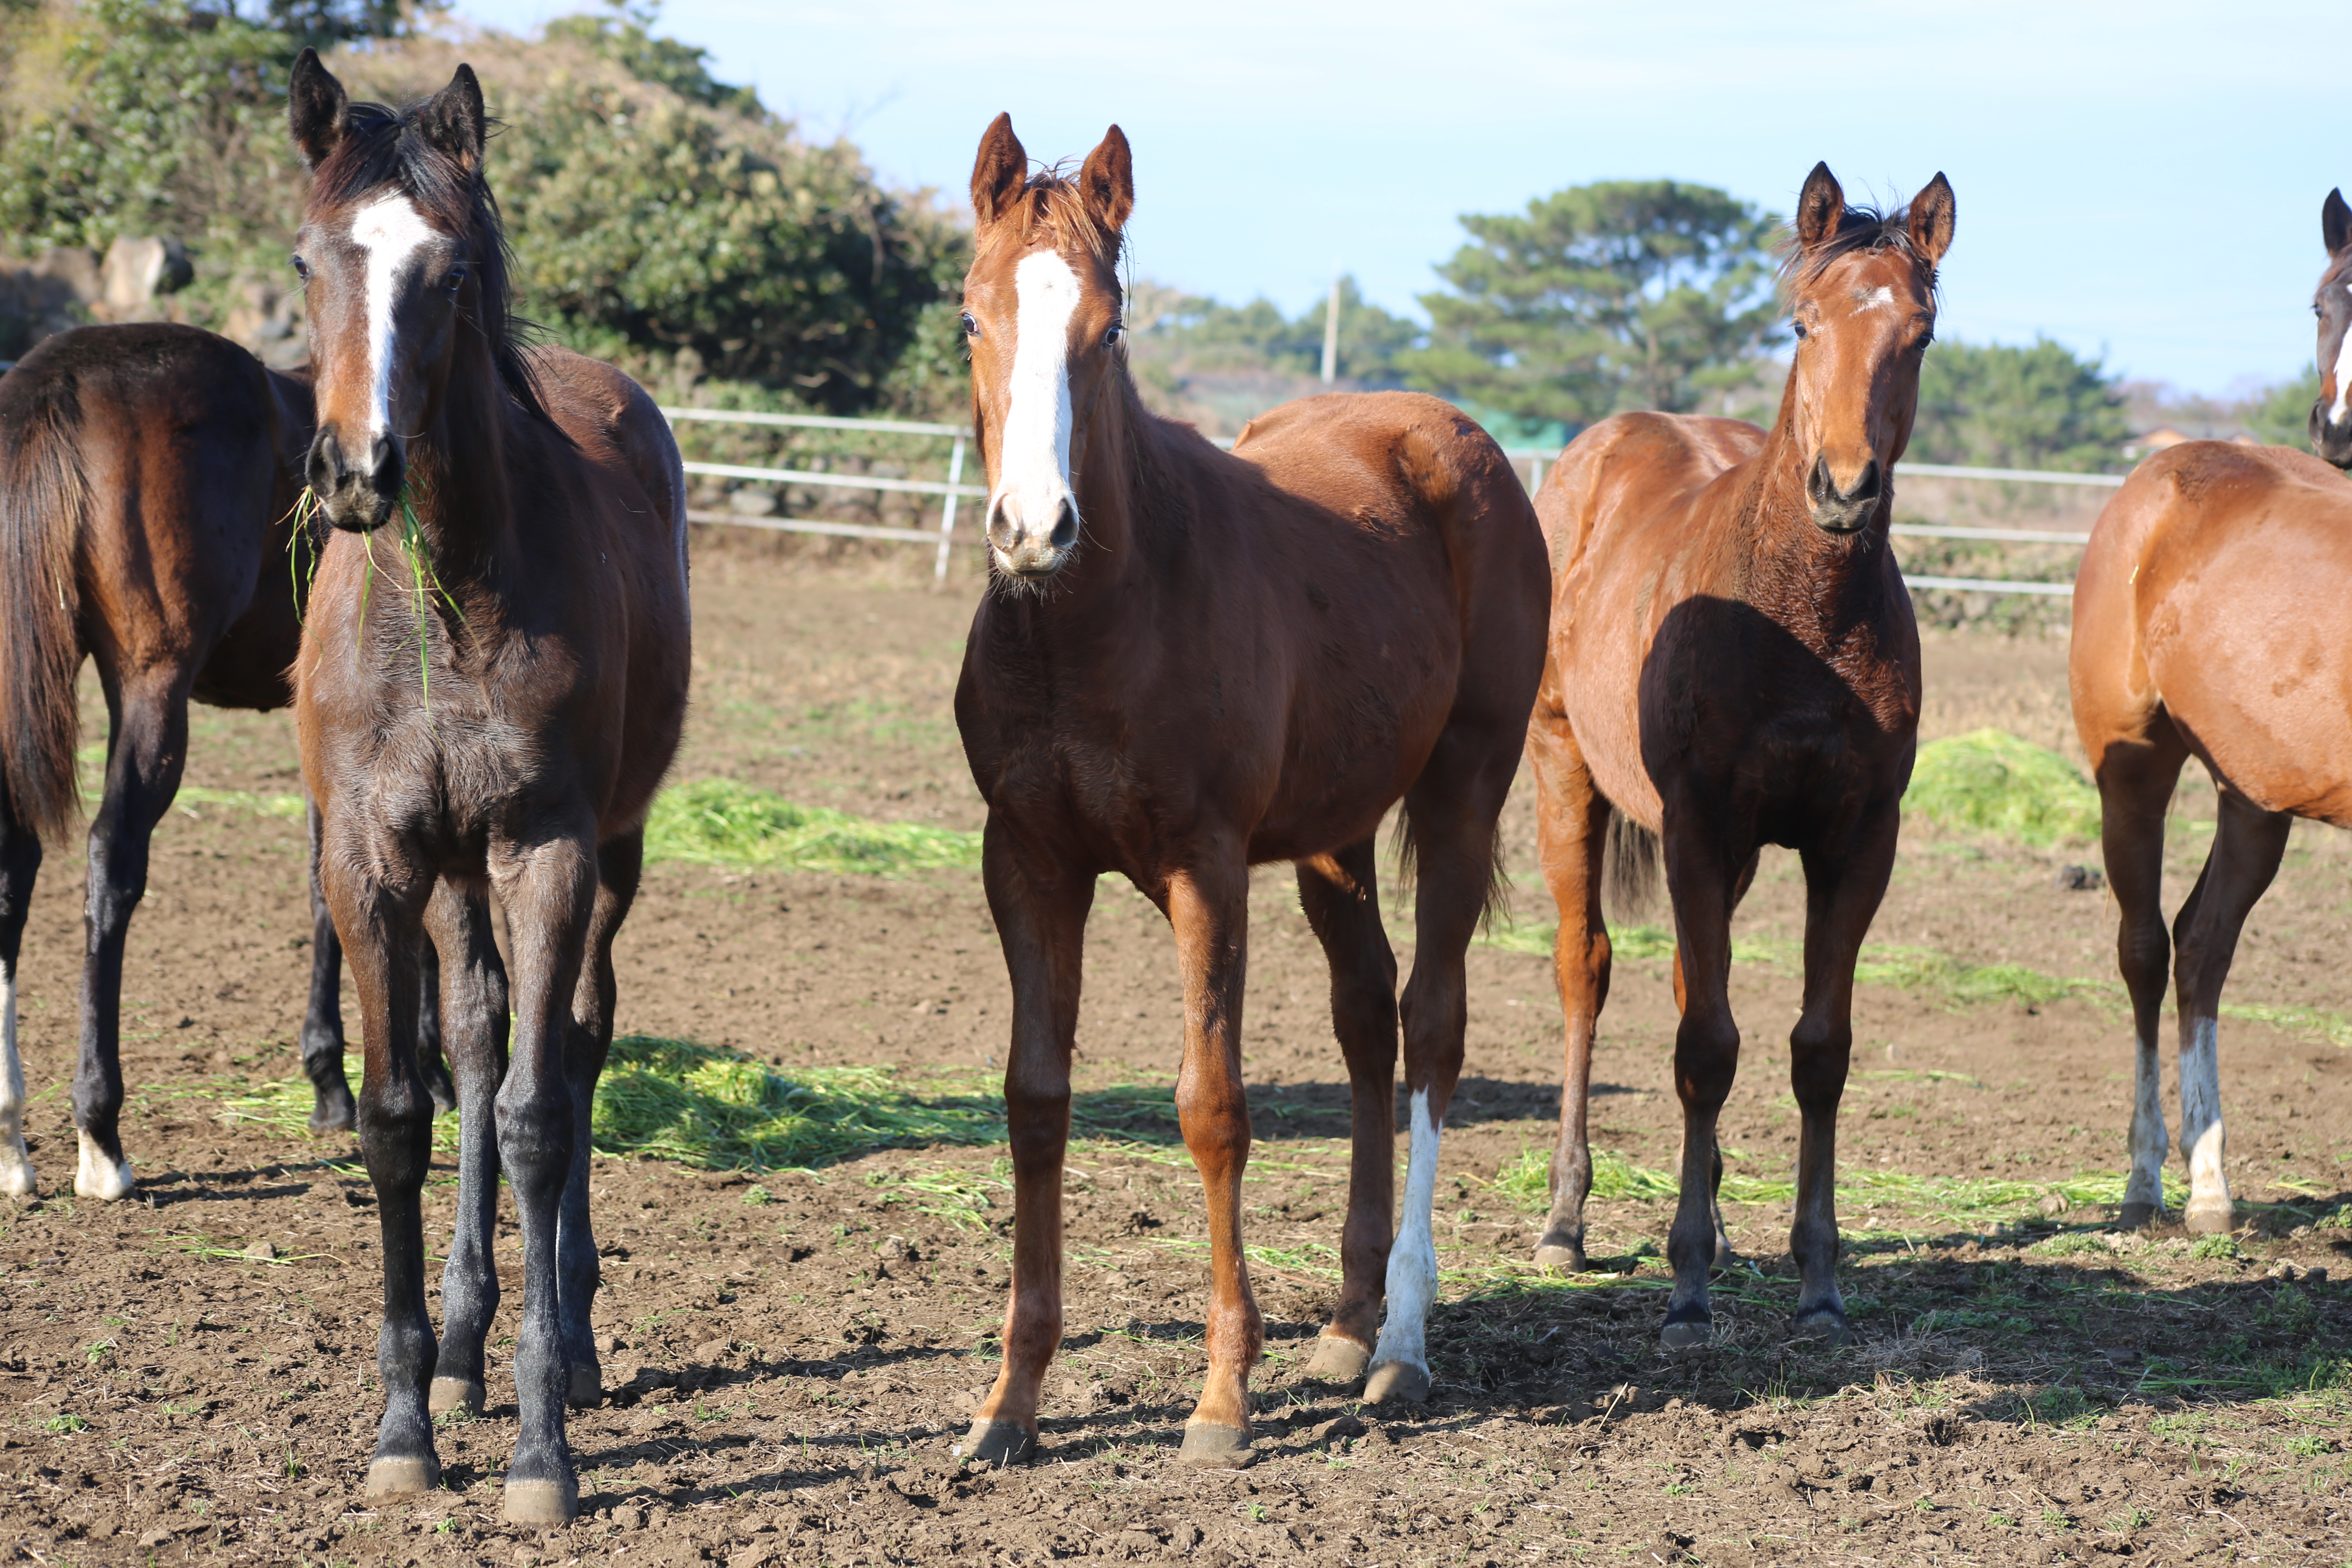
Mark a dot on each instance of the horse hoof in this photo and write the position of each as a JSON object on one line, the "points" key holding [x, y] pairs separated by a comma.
{"points": [[587, 1385], [1723, 1257], [103, 1176], [1337, 1359], [1568, 1258], [2137, 1216], [540, 1502], [2210, 1216], [449, 1394], [997, 1443], [1826, 1324], [1210, 1447], [335, 1117], [15, 1171], [1687, 1333], [1397, 1383], [389, 1477]]}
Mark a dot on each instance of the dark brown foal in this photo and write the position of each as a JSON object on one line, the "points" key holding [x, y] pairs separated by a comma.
{"points": [[1189, 663], [548, 591], [148, 476], [1734, 663]]}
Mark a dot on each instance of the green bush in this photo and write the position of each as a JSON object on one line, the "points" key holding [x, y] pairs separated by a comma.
{"points": [[1991, 782]]}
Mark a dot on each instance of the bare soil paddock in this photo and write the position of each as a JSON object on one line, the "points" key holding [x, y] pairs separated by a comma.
{"points": [[190, 1376]]}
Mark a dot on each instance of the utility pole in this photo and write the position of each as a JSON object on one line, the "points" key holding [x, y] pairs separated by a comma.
{"points": [[1331, 331]]}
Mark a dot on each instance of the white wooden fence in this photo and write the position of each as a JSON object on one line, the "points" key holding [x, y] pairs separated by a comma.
{"points": [[954, 489]]}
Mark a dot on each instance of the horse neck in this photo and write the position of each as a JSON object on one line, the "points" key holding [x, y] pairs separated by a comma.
{"points": [[459, 486], [1821, 587]]}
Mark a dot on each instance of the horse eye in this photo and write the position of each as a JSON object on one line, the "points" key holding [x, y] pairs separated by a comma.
{"points": [[302, 270], [1110, 337], [1798, 328], [456, 280], [971, 327]]}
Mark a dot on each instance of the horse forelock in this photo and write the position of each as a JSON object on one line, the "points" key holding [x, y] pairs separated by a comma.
{"points": [[384, 152], [1863, 231], [1052, 211]]}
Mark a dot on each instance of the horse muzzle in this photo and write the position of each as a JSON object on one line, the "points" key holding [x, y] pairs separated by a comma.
{"points": [[1844, 508], [2331, 438], [1029, 553], [356, 496]]}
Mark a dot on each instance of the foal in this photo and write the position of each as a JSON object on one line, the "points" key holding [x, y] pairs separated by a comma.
{"points": [[148, 479], [549, 593], [2213, 617], [1189, 663], [1734, 663]]}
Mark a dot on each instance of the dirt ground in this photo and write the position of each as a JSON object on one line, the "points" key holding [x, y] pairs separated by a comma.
{"points": [[190, 1376]]}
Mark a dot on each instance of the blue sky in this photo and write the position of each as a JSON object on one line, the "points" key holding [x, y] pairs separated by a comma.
{"points": [[2140, 180]]}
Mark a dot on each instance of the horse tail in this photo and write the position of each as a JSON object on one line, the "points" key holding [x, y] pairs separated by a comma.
{"points": [[44, 499], [1493, 904], [1628, 869]]}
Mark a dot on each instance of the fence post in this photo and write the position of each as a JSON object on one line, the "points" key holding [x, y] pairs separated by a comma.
{"points": [[1534, 475], [948, 511]]}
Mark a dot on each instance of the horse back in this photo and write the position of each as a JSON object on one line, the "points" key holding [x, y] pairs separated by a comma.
{"points": [[2217, 589]]}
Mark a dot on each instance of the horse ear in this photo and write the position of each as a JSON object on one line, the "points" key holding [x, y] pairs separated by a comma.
{"points": [[1821, 206], [999, 173], [1932, 212], [316, 107], [2336, 222], [454, 120], [1107, 181]]}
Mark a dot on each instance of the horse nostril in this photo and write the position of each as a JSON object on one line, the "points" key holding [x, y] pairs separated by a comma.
{"points": [[1065, 526], [1819, 486], [325, 469], [1866, 486], [386, 466]]}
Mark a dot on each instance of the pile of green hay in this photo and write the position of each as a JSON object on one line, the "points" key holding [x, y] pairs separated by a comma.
{"points": [[717, 822], [1990, 781]]}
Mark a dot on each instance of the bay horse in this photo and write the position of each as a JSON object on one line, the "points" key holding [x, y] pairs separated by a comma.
{"points": [[148, 483], [2213, 618], [539, 570], [1188, 663], [1733, 663]]}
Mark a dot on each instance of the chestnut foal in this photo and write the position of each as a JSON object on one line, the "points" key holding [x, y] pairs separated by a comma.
{"points": [[549, 593], [2213, 618], [1189, 663], [1733, 663], [148, 478]]}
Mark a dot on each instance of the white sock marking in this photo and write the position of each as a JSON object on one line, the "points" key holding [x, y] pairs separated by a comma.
{"points": [[100, 1177], [15, 1160], [1033, 475], [2343, 374], [390, 230], [2202, 1134], [1412, 1259], [2149, 1143]]}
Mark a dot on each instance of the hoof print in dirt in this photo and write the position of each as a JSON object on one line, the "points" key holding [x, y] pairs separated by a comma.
{"points": [[1210, 1447], [993, 1444], [1397, 1383], [1338, 1360]]}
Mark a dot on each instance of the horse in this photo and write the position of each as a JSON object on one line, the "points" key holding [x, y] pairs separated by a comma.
{"points": [[2211, 620], [149, 476], [1732, 663], [501, 725], [1188, 663]]}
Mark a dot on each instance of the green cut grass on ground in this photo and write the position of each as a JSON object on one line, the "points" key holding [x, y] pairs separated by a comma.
{"points": [[718, 822], [1990, 781]]}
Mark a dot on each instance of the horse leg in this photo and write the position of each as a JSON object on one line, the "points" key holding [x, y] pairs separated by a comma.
{"points": [[1700, 881], [142, 773], [1572, 831], [331, 1109], [2247, 847], [619, 864], [1723, 1257], [1041, 921], [2135, 785], [549, 890], [472, 1004], [20, 865], [1208, 905], [1341, 898], [383, 920], [1842, 896], [1451, 808]]}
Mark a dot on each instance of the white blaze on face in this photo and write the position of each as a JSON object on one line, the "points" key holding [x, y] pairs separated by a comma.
{"points": [[1413, 1260], [1032, 477], [390, 230], [2343, 374], [15, 1160], [1881, 298]]}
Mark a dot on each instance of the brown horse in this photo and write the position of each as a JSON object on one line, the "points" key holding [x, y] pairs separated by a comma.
{"points": [[1733, 663], [1189, 663], [148, 476], [543, 575], [2213, 617]]}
